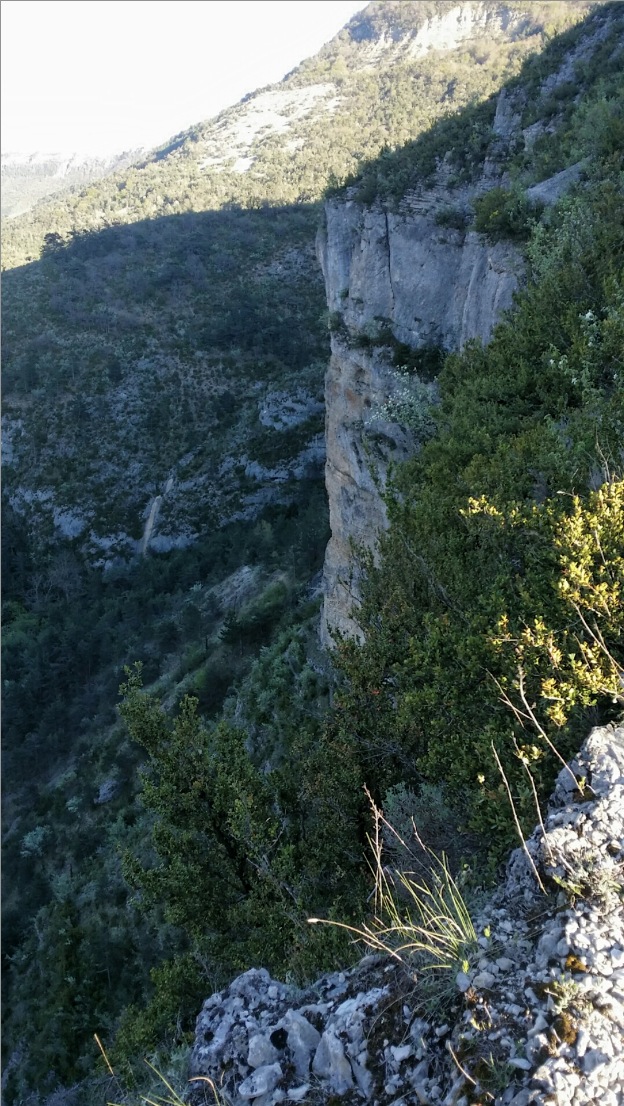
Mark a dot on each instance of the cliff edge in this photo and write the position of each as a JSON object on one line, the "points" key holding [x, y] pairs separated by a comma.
{"points": [[534, 1015], [407, 271]]}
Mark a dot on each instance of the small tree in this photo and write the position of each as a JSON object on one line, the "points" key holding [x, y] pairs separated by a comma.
{"points": [[217, 841]]}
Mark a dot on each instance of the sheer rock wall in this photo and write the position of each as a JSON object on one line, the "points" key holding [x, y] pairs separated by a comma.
{"points": [[400, 273], [427, 285]]}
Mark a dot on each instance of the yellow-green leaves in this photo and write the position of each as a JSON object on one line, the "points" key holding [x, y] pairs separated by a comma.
{"points": [[566, 653]]}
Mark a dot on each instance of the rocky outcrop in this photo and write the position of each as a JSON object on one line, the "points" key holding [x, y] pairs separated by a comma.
{"points": [[405, 275], [408, 274], [534, 1016], [429, 283], [360, 442]]}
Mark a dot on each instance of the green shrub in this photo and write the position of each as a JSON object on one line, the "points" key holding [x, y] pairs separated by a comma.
{"points": [[425, 361], [452, 217], [505, 213]]}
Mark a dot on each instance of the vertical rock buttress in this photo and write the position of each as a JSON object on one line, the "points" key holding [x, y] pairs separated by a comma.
{"points": [[405, 275]]}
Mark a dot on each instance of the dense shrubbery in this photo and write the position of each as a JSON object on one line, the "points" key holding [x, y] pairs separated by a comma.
{"points": [[66, 636], [495, 616], [454, 218], [499, 560], [505, 213]]}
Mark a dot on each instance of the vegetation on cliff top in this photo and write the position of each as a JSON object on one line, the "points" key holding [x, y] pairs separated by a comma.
{"points": [[135, 315], [575, 117]]}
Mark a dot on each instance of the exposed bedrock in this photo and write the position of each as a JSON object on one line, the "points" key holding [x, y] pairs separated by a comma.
{"points": [[400, 273], [535, 1017]]}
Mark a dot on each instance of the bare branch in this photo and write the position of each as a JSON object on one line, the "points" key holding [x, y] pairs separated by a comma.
{"points": [[524, 764]]}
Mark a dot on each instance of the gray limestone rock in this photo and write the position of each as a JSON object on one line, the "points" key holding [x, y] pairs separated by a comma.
{"points": [[262, 1081], [551, 190], [297, 1094], [483, 979], [331, 1064], [302, 1038], [261, 1051], [429, 285], [547, 1021]]}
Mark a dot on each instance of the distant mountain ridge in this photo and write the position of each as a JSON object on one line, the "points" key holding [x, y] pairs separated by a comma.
{"points": [[28, 178], [387, 76]]}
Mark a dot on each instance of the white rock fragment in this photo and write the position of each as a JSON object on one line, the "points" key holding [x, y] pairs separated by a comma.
{"points": [[330, 1063], [538, 1026], [594, 1059], [484, 979], [261, 1051], [262, 1081], [401, 1053], [296, 1094], [463, 981], [302, 1039]]}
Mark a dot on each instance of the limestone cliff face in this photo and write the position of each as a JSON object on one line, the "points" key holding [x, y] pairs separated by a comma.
{"points": [[399, 273], [426, 284]]}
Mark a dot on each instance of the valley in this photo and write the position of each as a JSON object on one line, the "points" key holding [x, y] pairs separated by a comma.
{"points": [[344, 361]]}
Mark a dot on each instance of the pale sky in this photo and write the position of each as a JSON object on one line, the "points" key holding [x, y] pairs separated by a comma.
{"points": [[104, 76]]}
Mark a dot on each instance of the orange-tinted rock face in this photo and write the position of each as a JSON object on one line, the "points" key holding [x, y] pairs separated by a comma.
{"points": [[424, 283]]}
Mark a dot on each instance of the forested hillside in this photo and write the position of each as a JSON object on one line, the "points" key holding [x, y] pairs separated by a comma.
{"points": [[166, 340], [376, 85], [29, 178]]}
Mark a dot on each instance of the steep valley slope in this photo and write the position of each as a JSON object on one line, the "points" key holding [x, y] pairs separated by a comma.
{"points": [[165, 344]]}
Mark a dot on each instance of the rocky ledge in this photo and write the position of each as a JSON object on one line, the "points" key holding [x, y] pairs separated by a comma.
{"points": [[536, 1016]]}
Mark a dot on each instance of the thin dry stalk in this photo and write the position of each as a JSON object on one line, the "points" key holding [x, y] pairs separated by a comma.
{"points": [[105, 1057], [524, 764], [540, 729], [529, 715], [435, 926], [175, 1099], [516, 820], [463, 1071]]}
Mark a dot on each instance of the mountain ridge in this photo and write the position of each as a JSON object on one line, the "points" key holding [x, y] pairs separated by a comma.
{"points": [[279, 175], [30, 178]]}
